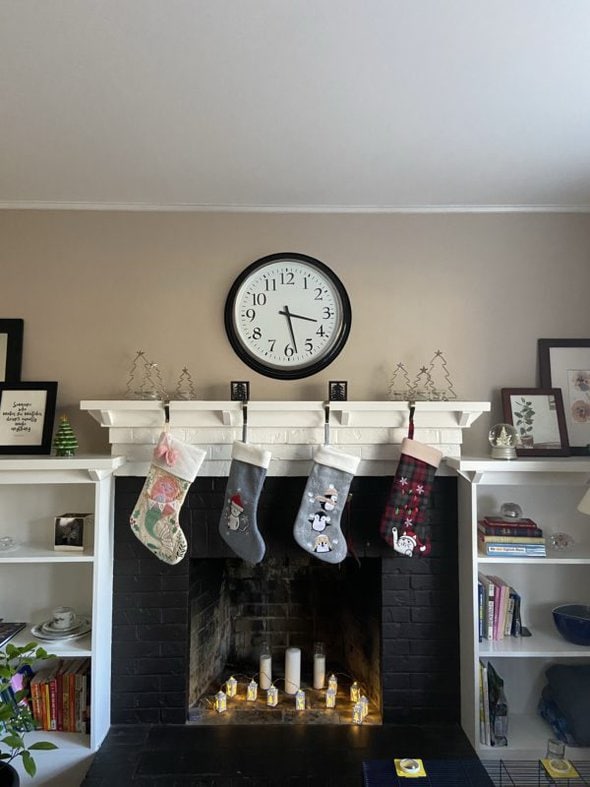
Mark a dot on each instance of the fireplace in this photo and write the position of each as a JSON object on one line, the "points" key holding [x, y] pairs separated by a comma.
{"points": [[388, 621]]}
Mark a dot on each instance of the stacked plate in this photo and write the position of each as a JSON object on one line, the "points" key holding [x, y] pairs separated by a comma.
{"points": [[47, 631]]}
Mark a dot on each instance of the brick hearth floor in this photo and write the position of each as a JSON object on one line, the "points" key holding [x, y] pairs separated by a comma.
{"points": [[267, 756]]}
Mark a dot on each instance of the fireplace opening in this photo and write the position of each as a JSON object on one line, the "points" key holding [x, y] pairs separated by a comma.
{"points": [[238, 610]]}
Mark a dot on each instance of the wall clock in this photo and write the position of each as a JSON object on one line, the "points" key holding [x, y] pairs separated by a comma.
{"points": [[287, 316]]}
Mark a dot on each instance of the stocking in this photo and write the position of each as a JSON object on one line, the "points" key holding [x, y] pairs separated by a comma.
{"points": [[238, 526], [317, 526], [155, 517], [409, 498]]}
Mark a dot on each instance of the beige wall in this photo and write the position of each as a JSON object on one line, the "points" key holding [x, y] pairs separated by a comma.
{"points": [[93, 287]]}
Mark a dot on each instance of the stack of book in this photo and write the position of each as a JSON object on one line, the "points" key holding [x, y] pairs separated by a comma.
{"points": [[501, 537], [60, 696], [499, 609]]}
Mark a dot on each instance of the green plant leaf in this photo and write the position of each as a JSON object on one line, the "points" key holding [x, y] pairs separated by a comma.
{"points": [[14, 741], [29, 764], [43, 745]]}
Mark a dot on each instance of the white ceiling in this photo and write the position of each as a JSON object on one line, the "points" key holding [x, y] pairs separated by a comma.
{"points": [[295, 104]]}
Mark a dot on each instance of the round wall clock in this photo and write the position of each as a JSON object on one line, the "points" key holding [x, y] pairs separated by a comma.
{"points": [[287, 316]]}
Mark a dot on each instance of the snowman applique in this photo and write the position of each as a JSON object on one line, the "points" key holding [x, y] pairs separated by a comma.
{"points": [[236, 507]]}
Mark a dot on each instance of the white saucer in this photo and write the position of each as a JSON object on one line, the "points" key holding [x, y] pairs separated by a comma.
{"points": [[49, 626], [82, 628]]}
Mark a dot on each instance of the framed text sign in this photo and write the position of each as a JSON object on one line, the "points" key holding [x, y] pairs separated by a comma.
{"points": [[27, 411]]}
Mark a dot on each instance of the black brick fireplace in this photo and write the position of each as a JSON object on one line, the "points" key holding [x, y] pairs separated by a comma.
{"points": [[418, 599]]}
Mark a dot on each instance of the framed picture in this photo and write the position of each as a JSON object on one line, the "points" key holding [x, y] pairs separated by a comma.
{"points": [[27, 411], [11, 350], [565, 364], [69, 532], [537, 414]]}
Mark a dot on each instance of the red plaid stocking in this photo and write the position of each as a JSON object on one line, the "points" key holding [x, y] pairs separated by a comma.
{"points": [[409, 498]]}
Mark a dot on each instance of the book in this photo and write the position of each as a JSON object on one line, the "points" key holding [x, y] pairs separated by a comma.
{"points": [[480, 610], [519, 539], [499, 521], [502, 594], [8, 630], [512, 549], [488, 593], [498, 708], [486, 702], [507, 530]]}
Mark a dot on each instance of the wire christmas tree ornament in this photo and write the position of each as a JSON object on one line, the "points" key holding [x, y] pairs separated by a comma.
{"points": [[431, 383], [145, 381]]}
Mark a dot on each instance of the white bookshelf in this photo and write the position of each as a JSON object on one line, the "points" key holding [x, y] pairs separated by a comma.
{"points": [[34, 578], [548, 490]]}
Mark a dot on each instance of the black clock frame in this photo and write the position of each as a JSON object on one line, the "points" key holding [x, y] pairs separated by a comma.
{"points": [[272, 371]]}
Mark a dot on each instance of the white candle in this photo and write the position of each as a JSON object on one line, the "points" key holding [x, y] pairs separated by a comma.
{"points": [[265, 671], [292, 670], [319, 670]]}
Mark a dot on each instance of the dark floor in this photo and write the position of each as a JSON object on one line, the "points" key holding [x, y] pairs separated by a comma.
{"points": [[268, 756]]}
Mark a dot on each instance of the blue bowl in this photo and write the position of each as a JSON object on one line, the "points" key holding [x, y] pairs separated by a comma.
{"points": [[573, 622]]}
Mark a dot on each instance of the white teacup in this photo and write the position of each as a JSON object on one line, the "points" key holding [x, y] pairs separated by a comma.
{"points": [[63, 618]]}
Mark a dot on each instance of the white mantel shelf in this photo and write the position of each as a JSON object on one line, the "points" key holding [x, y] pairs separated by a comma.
{"points": [[291, 430]]}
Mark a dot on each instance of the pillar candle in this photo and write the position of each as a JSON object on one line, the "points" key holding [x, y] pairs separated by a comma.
{"points": [[265, 671], [319, 670], [292, 670]]}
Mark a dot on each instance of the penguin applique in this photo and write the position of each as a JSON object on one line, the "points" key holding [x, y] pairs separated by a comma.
{"points": [[322, 544], [319, 520]]}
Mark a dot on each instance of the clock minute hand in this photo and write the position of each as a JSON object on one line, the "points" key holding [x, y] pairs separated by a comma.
{"points": [[290, 324], [301, 317]]}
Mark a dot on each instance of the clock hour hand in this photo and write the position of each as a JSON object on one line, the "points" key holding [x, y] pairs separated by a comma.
{"points": [[298, 316], [290, 324]]}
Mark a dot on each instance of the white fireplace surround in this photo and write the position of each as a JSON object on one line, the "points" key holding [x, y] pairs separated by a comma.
{"points": [[290, 430]]}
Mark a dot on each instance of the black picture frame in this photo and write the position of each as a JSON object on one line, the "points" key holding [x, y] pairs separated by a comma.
{"points": [[11, 349], [27, 413], [537, 414], [565, 364]]}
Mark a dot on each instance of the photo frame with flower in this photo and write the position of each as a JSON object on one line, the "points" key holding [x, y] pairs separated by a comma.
{"points": [[565, 364], [537, 414]]}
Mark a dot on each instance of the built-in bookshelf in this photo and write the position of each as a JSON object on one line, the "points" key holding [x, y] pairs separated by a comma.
{"points": [[35, 578], [548, 490]]}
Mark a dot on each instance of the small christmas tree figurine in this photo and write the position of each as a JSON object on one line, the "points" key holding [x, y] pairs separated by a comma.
{"points": [[65, 442]]}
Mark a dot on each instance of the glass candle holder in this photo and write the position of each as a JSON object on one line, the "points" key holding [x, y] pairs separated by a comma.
{"points": [[330, 698], [355, 692], [252, 691], [231, 686], [333, 683]]}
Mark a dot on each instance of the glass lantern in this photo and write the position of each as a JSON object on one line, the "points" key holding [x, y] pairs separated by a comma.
{"points": [[357, 713], [330, 698], [231, 686], [220, 702], [333, 683], [252, 691], [272, 697], [300, 700], [355, 692]]}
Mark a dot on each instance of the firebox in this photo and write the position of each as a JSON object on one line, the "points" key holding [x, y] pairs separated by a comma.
{"points": [[246, 622], [387, 621]]}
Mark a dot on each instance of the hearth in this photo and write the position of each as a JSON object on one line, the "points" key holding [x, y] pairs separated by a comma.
{"points": [[388, 621]]}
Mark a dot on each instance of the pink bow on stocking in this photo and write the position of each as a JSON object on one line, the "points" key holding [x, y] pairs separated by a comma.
{"points": [[165, 451]]}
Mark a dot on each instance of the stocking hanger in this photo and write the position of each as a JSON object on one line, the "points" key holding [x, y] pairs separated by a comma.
{"points": [[412, 406], [326, 423], [244, 420]]}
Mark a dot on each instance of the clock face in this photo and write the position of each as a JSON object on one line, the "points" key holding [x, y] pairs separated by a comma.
{"points": [[287, 316]]}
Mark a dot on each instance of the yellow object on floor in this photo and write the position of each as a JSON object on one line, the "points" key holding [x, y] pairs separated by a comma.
{"points": [[560, 769], [409, 768]]}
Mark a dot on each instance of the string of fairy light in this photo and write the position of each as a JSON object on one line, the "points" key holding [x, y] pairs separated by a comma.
{"points": [[230, 690]]}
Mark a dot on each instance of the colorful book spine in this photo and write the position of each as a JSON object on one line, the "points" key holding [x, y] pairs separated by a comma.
{"points": [[519, 539]]}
